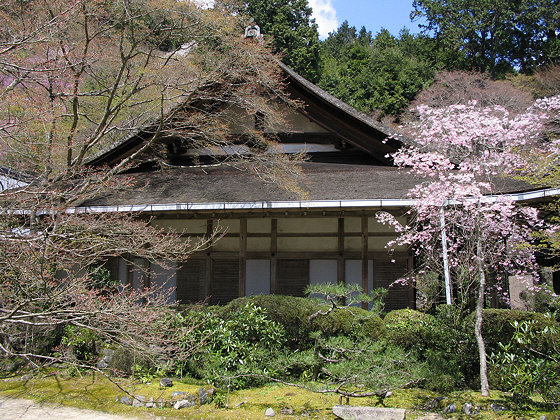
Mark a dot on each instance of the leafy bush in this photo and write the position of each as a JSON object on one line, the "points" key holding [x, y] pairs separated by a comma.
{"points": [[530, 362], [288, 311], [498, 325], [437, 340], [237, 346], [81, 341]]}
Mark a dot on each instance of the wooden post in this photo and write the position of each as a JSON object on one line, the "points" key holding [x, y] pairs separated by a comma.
{"points": [[208, 272], [365, 238], [341, 272], [242, 256], [273, 253]]}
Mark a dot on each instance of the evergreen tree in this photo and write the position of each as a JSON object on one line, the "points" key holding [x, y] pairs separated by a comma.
{"points": [[380, 74], [294, 32], [495, 35]]}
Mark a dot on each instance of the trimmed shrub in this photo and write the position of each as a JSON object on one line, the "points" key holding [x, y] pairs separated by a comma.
{"points": [[412, 329], [497, 325], [434, 340], [354, 321]]}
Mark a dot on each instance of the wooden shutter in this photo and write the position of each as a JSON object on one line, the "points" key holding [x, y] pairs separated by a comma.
{"points": [[190, 281], [385, 273], [225, 282], [292, 277]]}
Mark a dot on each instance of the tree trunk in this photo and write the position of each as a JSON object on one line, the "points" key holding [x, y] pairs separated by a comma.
{"points": [[484, 388]]}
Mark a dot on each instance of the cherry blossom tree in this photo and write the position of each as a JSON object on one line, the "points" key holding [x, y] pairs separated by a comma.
{"points": [[464, 155]]}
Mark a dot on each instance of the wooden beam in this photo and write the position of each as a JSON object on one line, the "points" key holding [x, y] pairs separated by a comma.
{"points": [[365, 238], [273, 255], [242, 256]]}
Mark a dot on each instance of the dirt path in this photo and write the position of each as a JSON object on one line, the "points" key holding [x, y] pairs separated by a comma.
{"points": [[18, 409]]}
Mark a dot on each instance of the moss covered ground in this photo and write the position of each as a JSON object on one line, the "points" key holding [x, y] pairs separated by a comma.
{"points": [[95, 392]]}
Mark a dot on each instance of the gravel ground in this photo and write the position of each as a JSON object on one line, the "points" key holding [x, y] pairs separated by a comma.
{"points": [[19, 409]]}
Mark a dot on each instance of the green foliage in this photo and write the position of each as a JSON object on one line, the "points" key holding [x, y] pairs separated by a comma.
{"points": [[288, 311], [494, 36], [100, 278], [236, 347], [81, 341], [437, 340], [293, 32], [498, 325], [352, 322], [530, 362], [381, 74]]}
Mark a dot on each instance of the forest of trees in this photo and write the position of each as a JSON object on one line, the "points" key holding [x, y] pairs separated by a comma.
{"points": [[382, 73]]}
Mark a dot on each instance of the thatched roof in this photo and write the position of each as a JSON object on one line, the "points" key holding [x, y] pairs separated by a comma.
{"points": [[221, 184]]}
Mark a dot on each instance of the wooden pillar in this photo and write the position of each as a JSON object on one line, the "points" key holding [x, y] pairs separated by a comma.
{"points": [[130, 272], [146, 273], [411, 288], [273, 253], [341, 271], [209, 272], [365, 236], [242, 256]]}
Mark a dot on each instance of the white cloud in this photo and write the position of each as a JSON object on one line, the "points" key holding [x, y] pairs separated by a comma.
{"points": [[325, 16]]}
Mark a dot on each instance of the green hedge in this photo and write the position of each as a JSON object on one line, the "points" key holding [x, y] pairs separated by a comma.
{"points": [[497, 325], [293, 313]]}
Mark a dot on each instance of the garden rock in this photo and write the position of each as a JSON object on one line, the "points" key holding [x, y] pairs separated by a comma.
{"points": [[126, 400], [435, 403], [286, 411], [105, 359], [138, 401], [183, 403], [468, 408], [178, 394], [349, 412], [269, 412], [451, 408], [165, 382], [203, 396], [150, 403], [497, 408]]}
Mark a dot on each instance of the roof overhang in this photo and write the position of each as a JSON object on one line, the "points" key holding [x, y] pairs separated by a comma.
{"points": [[265, 206]]}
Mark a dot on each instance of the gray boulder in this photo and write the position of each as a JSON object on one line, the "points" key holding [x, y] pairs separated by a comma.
{"points": [[138, 401], [126, 400], [349, 412], [165, 382], [203, 396], [451, 408], [183, 403], [105, 358], [269, 412]]}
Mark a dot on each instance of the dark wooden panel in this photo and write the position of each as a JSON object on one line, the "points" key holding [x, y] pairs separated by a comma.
{"points": [[292, 277], [190, 281], [385, 273], [225, 281]]}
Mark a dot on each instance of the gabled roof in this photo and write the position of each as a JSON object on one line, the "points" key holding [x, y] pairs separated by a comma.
{"points": [[333, 115], [342, 119]]}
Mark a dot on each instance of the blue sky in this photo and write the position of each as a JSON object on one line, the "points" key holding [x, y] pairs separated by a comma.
{"points": [[373, 14]]}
